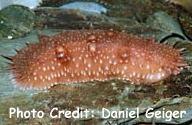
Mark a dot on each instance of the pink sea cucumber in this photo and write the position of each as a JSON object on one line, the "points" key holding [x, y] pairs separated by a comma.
{"points": [[87, 55]]}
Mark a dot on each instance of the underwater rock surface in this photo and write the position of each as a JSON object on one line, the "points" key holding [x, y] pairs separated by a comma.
{"points": [[29, 3], [16, 21], [173, 94], [85, 6]]}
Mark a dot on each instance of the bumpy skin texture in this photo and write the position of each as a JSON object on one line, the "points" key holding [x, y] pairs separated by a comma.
{"points": [[87, 55]]}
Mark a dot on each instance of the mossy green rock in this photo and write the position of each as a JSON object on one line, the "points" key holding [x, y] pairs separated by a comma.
{"points": [[16, 21]]}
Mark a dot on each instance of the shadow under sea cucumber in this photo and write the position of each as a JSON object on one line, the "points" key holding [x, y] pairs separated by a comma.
{"points": [[87, 55]]}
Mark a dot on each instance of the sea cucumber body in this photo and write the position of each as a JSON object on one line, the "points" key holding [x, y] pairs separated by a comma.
{"points": [[87, 55]]}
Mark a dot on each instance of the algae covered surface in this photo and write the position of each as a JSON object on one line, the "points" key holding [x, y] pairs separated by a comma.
{"points": [[149, 18], [16, 21]]}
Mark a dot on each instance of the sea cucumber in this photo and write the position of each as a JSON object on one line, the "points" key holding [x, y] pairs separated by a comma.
{"points": [[87, 55]]}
